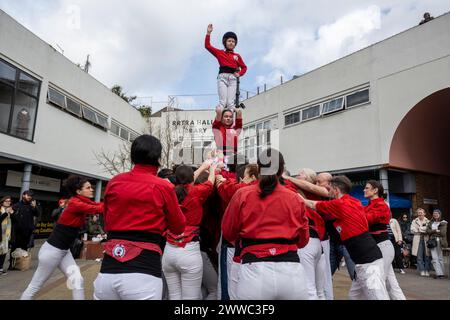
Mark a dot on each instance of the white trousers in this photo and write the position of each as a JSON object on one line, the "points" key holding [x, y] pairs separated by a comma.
{"points": [[232, 274], [209, 281], [310, 259], [226, 86], [51, 258], [392, 286], [369, 282], [183, 270], [127, 286], [437, 259], [327, 276], [272, 281]]}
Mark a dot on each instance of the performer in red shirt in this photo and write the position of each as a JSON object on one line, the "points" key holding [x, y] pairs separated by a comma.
{"points": [[269, 223], [139, 208], [231, 67], [55, 251], [378, 216], [351, 223], [182, 261]]}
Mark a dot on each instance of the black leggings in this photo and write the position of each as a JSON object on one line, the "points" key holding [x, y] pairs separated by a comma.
{"points": [[397, 263]]}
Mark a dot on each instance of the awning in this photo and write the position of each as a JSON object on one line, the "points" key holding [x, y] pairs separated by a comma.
{"points": [[395, 201]]}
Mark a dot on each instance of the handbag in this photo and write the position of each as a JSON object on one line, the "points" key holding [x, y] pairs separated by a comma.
{"points": [[432, 243]]}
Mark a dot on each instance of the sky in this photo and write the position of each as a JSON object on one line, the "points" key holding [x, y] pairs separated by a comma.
{"points": [[154, 49]]}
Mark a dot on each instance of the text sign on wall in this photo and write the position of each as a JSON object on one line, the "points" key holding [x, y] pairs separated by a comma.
{"points": [[430, 201], [14, 179]]}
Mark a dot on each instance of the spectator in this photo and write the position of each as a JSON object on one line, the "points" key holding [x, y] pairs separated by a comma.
{"points": [[426, 17], [56, 213], [94, 227], [419, 248], [397, 242], [405, 226], [5, 236], [23, 221], [437, 229]]}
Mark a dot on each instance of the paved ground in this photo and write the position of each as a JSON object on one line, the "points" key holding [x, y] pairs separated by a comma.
{"points": [[13, 283]]}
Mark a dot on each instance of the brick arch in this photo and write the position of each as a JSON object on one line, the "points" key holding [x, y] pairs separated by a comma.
{"points": [[422, 139]]}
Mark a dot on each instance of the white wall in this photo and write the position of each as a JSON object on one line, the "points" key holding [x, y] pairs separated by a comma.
{"points": [[60, 139], [401, 71]]}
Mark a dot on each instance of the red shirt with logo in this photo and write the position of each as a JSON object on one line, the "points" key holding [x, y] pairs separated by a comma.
{"points": [[226, 58], [227, 138]]}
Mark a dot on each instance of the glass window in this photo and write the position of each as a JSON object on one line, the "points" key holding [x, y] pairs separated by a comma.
{"points": [[266, 125], [102, 121], [56, 98], [251, 131], [311, 112], [333, 105], [90, 115], [74, 107], [7, 73], [115, 128], [23, 116], [259, 127], [28, 84], [124, 133], [6, 95], [246, 132], [357, 98], [133, 136], [292, 118]]}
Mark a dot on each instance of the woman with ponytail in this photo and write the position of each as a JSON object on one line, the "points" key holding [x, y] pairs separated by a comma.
{"points": [[182, 261], [269, 223]]}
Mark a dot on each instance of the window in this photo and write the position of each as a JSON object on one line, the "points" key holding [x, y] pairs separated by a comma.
{"points": [[333, 105], [102, 121], [18, 101], [74, 107], [6, 96], [311, 113], [358, 98], [28, 84], [89, 115], [133, 136], [7, 73], [56, 98], [124, 133], [115, 128], [292, 118]]}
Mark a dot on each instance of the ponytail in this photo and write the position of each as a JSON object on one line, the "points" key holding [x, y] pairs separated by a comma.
{"points": [[184, 175], [271, 167], [267, 184]]}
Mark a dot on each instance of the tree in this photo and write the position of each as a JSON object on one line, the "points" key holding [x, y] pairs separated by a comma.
{"points": [[115, 162], [117, 89]]}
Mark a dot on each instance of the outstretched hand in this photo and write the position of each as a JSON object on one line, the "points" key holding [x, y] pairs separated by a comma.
{"points": [[209, 29]]}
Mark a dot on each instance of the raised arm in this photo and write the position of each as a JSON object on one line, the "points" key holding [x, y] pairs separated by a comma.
{"points": [[208, 45], [204, 166], [308, 186]]}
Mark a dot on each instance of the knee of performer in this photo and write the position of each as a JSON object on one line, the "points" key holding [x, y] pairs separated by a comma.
{"points": [[76, 281]]}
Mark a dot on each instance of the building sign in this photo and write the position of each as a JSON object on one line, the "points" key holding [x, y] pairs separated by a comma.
{"points": [[15, 178], [430, 201], [43, 228]]}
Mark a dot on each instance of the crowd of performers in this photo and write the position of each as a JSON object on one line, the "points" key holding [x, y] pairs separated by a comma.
{"points": [[227, 230], [224, 230]]}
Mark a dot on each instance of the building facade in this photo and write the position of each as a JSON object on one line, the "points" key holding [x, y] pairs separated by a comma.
{"points": [[55, 119], [380, 113]]}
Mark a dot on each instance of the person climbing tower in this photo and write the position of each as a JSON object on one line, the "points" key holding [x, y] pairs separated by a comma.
{"points": [[232, 67]]}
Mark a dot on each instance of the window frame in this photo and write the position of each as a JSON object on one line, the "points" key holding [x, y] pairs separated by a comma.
{"points": [[334, 110], [361, 103], [310, 107], [16, 90]]}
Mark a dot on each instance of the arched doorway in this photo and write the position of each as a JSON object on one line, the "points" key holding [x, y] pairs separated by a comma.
{"points": [[421, 145]]}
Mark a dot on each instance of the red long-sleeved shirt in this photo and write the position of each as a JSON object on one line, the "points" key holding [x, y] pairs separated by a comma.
{"points": [[228, 188], [226, 58], [349, 214], [192, 208], [378, 215], [316, 218], [227, 138], [78, 207], [140, 201], [281, 214]]}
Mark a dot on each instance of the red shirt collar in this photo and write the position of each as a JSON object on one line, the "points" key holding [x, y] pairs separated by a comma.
{"points": [[145, 168], [379, 199]]}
